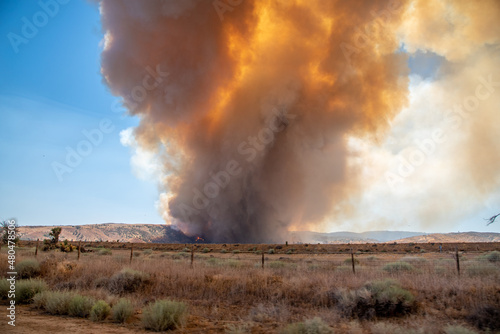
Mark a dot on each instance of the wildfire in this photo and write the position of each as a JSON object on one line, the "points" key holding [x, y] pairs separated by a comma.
{"points": [[228, 175]]}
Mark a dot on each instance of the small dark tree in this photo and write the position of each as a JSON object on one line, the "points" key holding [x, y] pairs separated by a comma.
{"points": [[54, 234], [5, 232]]}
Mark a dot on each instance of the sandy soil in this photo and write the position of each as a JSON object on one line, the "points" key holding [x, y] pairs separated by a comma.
{"points": [[30, 320]]}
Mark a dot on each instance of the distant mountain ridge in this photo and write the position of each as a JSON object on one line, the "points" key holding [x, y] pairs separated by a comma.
{"points": [[351, 237], [453, 237], [110, 232], [155, 233]]}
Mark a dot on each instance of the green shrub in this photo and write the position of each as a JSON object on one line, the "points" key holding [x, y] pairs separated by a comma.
{"points": [[182, 254], [80, 306], [223, 251], [270, 251], [27, 289], [164, 315], [99, 311], [186, 250], [395, 267], [349, 261], [310, 326], [313, 266], [491, 256], [127, 280], [343, 269], [66, 247], [457, 330], [205, 250], [147, 251], [122, 310], [57, 303], [481, 269], [276, 264], [104, 251], [40, 299], [233, 263], [4, 288], [289, 252], [236, 251], [48, 245], [379, 298], [28, 268], [213, 261], [413, 259], [389, 292]]}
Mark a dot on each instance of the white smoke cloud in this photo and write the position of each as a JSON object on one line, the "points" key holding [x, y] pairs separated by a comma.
{"points": [[146, 164]]}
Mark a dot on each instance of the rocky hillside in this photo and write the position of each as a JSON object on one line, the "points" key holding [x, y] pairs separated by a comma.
{"points": [[110, 232], [349, 237], [453, 237]]}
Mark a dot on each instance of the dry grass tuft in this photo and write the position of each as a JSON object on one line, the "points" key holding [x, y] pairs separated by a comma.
{"points": [[100, 311], [164, 315], [127, 281], [122, 310], [310, 326]]}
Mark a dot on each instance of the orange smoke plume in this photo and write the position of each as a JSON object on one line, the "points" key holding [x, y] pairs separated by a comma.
{"points": [[251, 103]]}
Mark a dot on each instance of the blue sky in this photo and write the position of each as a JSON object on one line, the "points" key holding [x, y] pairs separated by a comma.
{"points": [[50, 91]]}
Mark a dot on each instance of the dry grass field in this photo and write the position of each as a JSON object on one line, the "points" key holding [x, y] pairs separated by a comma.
{"points": [[398, 288]]}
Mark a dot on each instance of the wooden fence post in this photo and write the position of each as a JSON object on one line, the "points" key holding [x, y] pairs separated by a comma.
{"points": [[131, 253], [262, 259], [79, 247], [36, 249], [352, 260], [192, 256], [458, 261]]}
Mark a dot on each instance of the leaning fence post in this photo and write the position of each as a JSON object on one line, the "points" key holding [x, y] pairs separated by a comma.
{"points": [[192, 256], [36, 249], [352, 260], [263, 260], [79, 247], [458, 261], [131, 253]]}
